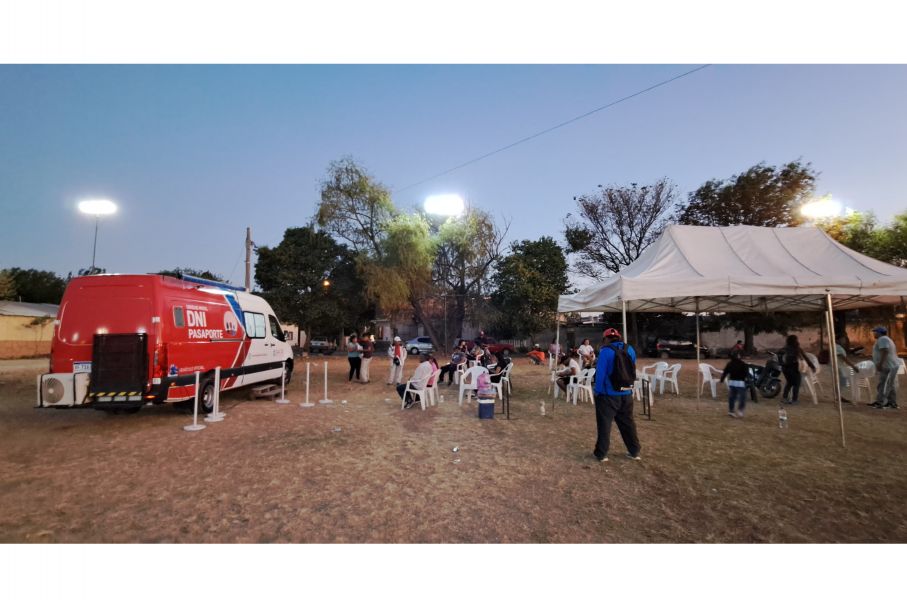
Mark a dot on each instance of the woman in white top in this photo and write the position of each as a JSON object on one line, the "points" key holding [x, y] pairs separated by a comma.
{"points": [[587, 354], [571, 369]]}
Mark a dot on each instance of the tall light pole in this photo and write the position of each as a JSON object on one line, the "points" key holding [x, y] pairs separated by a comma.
{"points": [[445, 205], [96, 208]]}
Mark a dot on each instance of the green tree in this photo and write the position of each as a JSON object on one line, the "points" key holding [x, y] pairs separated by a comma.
{"points": [[466, 249], [615, 225], [857, 231], [292, 274], [33, 285], [354, 207], [890, 243], [762, 195], [527, 284], [408, 262], [7, 286], [863, 233], [204, 274]]}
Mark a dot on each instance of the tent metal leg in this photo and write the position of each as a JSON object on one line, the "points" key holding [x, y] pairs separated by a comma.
{"points": [[698, 359], [553, 360], [624, 310], [833, 361]]}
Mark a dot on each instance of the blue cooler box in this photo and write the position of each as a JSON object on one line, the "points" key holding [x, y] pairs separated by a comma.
{"points": [[486, 408]]}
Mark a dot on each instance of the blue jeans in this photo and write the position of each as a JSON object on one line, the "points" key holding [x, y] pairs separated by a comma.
{"points": [[736, 395]]}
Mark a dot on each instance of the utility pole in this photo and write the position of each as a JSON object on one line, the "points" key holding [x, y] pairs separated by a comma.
{"points": [[248, 259]]}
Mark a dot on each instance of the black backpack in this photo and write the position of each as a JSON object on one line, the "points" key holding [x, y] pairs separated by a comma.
{"points": [[624, 372]]}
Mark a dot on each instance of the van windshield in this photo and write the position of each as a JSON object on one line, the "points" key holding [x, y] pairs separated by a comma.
{"points": [[276, 331]]}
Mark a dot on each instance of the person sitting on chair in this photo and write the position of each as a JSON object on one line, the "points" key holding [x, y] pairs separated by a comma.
{"points": [[587, 354], [494, 367], [571, 369], [536, 355], [456, 359], [421, 373]]}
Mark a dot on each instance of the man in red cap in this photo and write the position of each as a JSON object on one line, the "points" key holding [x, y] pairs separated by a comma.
{"points": [[614, 377]]}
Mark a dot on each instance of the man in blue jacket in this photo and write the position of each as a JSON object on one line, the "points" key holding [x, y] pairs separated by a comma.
{"points": [[611, 404]]}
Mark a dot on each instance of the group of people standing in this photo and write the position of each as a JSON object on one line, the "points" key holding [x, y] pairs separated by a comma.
{"points": [[361, 350]]}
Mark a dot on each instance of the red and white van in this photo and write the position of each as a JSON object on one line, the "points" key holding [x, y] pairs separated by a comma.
{"points": [[123, 340]]}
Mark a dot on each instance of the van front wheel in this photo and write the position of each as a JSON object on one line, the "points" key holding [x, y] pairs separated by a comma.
{"points": [[206, 397]]}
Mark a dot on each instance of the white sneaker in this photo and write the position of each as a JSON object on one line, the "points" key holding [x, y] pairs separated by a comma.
{"points": [[739, 414], [732, 414]]}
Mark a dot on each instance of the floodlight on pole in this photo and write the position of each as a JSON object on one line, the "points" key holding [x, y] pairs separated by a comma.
{"points": [[96, 208], [445, 205], [822, 208]]}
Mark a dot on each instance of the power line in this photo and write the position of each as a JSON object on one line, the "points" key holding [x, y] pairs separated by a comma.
{"points": [[558, 126]]}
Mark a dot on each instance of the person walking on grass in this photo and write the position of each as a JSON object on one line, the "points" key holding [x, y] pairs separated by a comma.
{"points": [[614, 377], [885, 359], [397, 354], [736, 371], [353, 355], [790, 366]]}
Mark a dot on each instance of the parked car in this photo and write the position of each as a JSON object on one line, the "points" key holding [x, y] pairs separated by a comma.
{"points": [[419, 345], [322, 345], [673, 347], [493, 345]]}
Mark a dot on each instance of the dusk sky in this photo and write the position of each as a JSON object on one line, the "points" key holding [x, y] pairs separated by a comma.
{"points": [[194, 154]]}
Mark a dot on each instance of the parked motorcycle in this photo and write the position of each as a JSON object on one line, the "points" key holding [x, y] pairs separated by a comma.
{"points": [[767, 379]]}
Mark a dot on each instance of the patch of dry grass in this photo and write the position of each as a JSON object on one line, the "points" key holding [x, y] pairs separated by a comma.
{"points": [[272, 473]]}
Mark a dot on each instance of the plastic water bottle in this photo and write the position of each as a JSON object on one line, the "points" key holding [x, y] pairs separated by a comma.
{"points": [[542, 407], [782, 418]]}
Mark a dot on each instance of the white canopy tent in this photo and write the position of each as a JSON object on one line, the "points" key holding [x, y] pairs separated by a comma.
{"points": [[745, 269]]}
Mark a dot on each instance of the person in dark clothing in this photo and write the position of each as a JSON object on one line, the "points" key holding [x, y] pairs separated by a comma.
{"points": [[353, 355], [790, 366], [736, 371], [611, 404], [459, 356]]}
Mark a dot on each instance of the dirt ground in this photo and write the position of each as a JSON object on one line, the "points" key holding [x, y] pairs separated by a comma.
{"points": [[365, 471]]}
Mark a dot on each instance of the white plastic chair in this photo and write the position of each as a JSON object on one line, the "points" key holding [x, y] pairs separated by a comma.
{"points": [[469, 383], [711, 376], [658, 375], [812, 379], [582, 385], [669, 375], [848, 383], [862, 378], [505, 378], [637, 385], [423, 394], [458, 373], [902, 368], [433, 387]]}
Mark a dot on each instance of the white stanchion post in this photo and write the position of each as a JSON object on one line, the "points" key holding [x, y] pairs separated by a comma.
{"points": [[196, 426], [307, 404], [325, 401], [216, 416], [283, 381]]}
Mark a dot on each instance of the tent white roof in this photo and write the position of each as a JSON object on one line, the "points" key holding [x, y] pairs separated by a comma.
{"points": [[28, 309], [743, 269]]}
